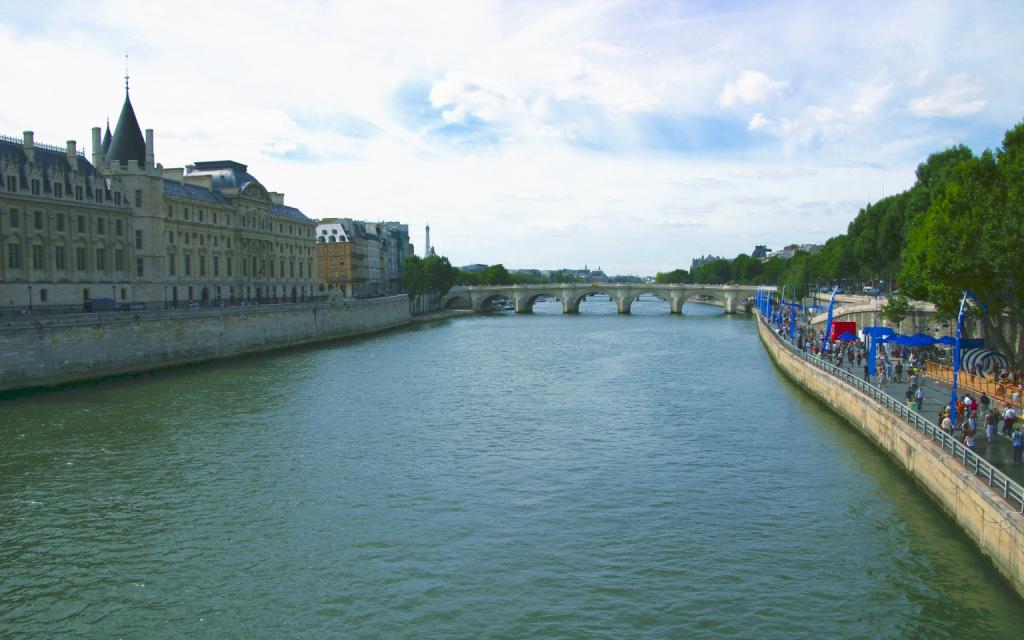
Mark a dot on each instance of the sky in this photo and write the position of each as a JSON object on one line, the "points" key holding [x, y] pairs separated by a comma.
{"points": [[631, 136]]}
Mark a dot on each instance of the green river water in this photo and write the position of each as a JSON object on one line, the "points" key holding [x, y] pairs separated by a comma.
{"points": [[544, 476]]}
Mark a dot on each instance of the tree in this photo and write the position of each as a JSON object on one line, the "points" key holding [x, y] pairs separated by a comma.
{"points": [[413, 276], [896, 309], [439, 274], [676, 276], [496, 274]]}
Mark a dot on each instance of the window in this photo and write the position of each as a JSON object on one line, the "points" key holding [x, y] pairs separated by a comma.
{"points": [[37, 256], [120, 227], [245, 267], [80, 258], [227, 263], [214, 217], [58, 192], [15, 218], [139, 271], [119, 260], [101, 226], [98, 192], [124, 293], [200, 239], [202, 265], [12, 183], [81, 224], [60, 222], [216, 265], [188, 264], [138, 197], [200, 215], [138, 238], [38, 219], [170, 264], [44, 295], [35, 187], [170, 211], [101, 259], [281, 273], [78, 193], [215, 241], [185, 209], [117, 198], [58, 258], [229, 243], [170, 237], [14, 256]]}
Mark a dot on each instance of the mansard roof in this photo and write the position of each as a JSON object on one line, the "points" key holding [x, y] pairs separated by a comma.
{"points": [[284, 211], [224, 174], [193, 192], [127, 143]]}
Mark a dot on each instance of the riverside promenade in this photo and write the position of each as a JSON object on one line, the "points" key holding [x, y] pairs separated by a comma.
{"points": [[985, 502], [936, 397]]}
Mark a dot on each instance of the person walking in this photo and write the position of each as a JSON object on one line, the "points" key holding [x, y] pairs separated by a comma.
{"points": [[969, 441], [899, 371], [1009, 417], [1018, 445], [990, 425], [919, 398], [984, 402]]}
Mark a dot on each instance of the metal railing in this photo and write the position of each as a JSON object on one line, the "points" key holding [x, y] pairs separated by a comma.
{"points": [[972, 462]]}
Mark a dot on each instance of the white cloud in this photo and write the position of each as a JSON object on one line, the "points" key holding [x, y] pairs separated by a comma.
{"points": [[958, 97], [749, 88]]}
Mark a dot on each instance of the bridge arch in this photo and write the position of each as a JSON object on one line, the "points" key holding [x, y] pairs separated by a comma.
{"points": [[457, 302]]}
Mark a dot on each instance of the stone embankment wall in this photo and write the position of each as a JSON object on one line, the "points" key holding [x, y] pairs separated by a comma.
{"points": [[59, 349], [994, 525]]}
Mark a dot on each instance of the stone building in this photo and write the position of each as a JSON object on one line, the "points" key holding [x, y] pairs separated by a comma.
{"points": [[125, 227]]}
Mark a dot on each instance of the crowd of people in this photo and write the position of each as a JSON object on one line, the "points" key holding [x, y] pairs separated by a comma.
{"points": [[894, 364]]}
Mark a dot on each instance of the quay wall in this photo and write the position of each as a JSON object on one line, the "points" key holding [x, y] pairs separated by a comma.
{"points": [[994, 524], [61, 349]]}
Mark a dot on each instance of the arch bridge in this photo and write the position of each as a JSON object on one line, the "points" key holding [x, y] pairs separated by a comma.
{"points": [[732, 298]]}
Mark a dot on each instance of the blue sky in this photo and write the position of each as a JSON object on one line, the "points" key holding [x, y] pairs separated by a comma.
{"points": [[630, 135]]}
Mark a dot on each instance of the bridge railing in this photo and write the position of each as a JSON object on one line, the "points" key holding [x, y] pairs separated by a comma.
{"points": [[972, 462]]}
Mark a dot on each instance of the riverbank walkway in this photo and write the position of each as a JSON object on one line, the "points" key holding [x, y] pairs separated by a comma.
{"points": [[936, 397]]}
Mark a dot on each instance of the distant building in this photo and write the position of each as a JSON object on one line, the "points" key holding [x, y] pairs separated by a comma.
{"points": [[697, 262], [473, 268], [760, 251]]}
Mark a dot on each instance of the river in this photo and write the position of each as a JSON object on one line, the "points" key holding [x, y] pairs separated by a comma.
{"points": [[542, 476]]}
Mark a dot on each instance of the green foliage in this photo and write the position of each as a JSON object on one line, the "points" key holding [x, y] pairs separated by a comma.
{"points": [[433, 274], [896, 309], [677, 276]]}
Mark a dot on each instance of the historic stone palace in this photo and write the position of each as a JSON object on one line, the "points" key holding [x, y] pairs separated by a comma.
{"points": [[124, 227]]}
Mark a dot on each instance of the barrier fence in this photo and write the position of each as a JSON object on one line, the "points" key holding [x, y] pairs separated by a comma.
{"points": [[1001, 390], [972, 462]]}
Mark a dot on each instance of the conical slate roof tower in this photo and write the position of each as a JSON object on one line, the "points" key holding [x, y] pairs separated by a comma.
{"points": [[127, 143]]}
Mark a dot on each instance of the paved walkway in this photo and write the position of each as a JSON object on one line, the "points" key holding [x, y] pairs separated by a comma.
{"points": [[936, 396]]}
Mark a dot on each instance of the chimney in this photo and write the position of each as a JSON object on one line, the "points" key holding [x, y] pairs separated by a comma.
{"points": [[149, 148], [97, 150], [276, 198], [176, 174], [30, 149], [72, 153]]}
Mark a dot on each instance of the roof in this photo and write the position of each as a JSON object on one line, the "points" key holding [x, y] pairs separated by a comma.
{"points": [[284, 211], [105, 145], [127, 143], [193, 192], [225, 174], [46, 157]]}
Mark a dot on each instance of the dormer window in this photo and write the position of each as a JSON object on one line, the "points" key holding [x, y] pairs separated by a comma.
{"points": [[58, 190], [12, 183], [36, 187]]}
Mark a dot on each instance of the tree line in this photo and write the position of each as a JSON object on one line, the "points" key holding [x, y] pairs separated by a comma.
{"points": [[959, 226]]}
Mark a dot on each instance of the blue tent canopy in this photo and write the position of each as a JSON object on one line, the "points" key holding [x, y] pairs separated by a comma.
{"points": [[847, 337]]}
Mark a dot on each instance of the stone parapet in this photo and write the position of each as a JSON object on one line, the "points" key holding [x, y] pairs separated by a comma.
{"points": [[62, 349], [987, 517]]}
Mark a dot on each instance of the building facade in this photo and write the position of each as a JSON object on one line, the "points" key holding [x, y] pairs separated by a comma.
{"points": [[126, 228]]}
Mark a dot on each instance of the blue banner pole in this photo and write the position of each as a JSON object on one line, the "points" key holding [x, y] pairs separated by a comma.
{"points": [[792, 322], [828, 324], [956, 360]]}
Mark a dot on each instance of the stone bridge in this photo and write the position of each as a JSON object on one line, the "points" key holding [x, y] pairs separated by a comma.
{"points": [[732, 298]]}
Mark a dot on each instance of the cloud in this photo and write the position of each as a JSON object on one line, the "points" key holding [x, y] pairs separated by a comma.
{"points": [[958, 97], [751, 87], [462, 97]]}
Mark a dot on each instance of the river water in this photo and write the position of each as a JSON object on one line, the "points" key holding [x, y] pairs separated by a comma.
{"points": [[544, 476]]}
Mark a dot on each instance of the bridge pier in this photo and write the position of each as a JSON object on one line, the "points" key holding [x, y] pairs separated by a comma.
{"points": [[623, 302], [675, 303], [522, 302]]}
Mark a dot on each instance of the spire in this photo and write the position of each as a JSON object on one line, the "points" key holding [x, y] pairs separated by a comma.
{"points": [[105, 145], [127, 143]]}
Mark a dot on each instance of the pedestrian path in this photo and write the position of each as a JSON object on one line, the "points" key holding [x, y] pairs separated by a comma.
{"points": [[936, 397]]}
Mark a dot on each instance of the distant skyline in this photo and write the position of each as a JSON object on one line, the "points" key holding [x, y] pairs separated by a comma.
{"points": [[634, 136]]}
